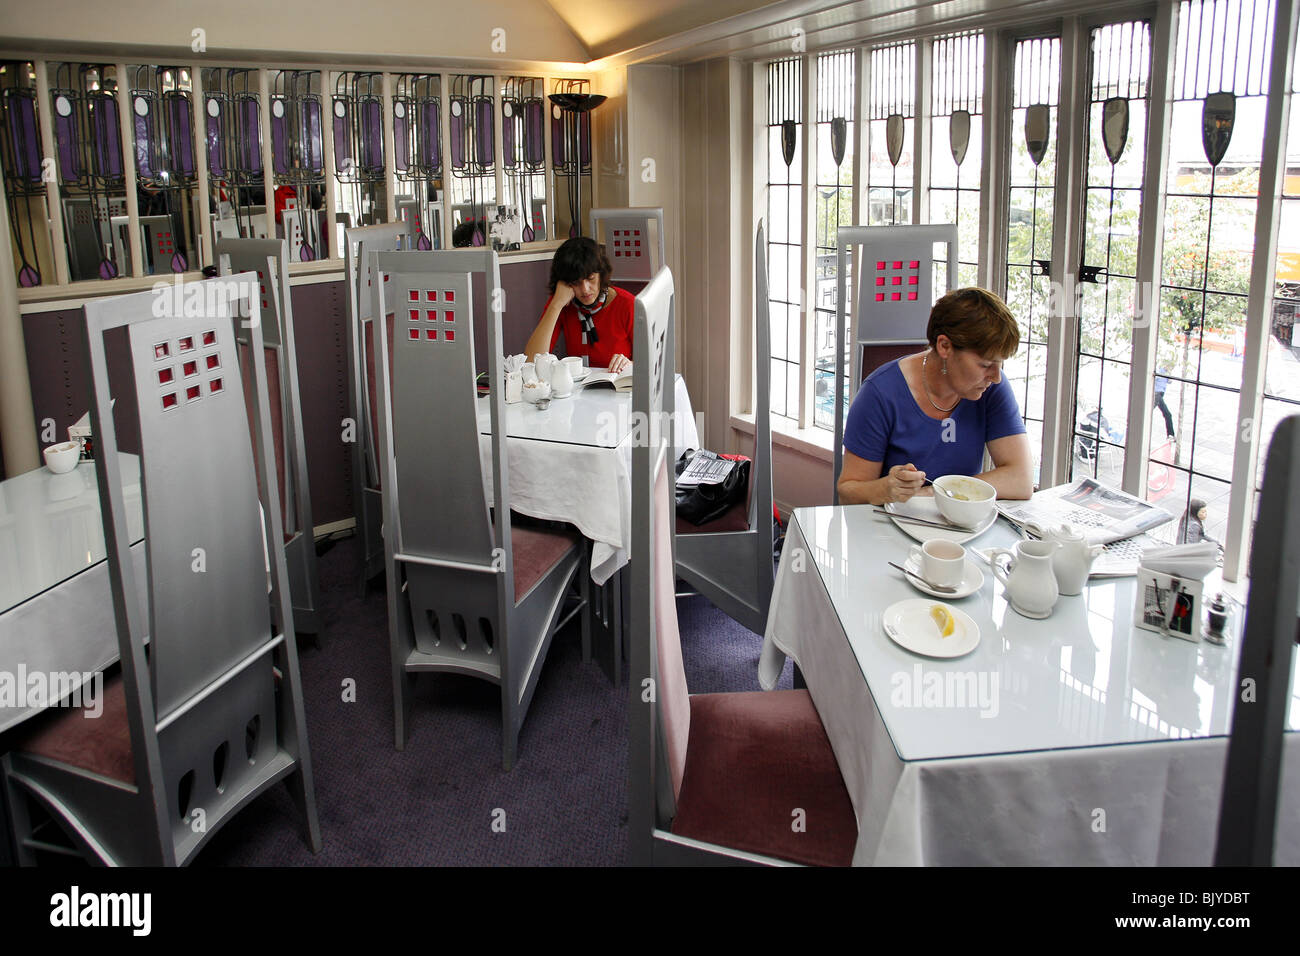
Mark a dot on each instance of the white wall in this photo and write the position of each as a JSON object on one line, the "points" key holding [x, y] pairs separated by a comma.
{"points": [[411, 29]]}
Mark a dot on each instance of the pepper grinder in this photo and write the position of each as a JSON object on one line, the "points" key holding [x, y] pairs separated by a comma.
{"points": [[1217, 620]]}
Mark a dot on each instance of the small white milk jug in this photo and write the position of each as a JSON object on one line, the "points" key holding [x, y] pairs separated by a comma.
{"points": [[1028, 577]]}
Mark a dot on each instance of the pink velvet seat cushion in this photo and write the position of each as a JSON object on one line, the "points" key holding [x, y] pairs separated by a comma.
{"points": [[753, 759], [100, 744], [735, 518], [535, 551]]}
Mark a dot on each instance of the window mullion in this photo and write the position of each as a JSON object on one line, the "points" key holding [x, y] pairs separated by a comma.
{"points": [[1151, 232], [1259, 306], [921, 145], [808, 247], [1067, 234], [995, 175]]}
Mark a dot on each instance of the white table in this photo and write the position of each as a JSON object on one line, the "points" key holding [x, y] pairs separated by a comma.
{"points": [[1092, 743], [56, 608], [572, 461]]}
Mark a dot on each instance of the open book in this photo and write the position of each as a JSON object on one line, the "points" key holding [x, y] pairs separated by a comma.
{"points": [[1101, 514], [619, 381]]}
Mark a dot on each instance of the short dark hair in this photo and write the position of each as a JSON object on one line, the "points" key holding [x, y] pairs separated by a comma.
{"points": [[976, 319], [578, 258]]}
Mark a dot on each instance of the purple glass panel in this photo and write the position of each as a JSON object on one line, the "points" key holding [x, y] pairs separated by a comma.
{"points": [[280, 138], [401, 141], [457, 134], [429, 121], [313, 151], [584, 138], [250, 149], [106, 135], [508, 137], [144, 135], [182, 134], [484, 134], [534, 144], [343, 160], [216, 156], [559, 146], [65, 134], [21, 109], [372, 136]]}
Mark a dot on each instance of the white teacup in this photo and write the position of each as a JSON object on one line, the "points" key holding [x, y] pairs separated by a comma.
{"points": [[575, 366], [63, 457], [941, 561]]}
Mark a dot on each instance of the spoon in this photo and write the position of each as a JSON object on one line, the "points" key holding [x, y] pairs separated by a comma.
{"points": [[928, 481], [929, 584]]}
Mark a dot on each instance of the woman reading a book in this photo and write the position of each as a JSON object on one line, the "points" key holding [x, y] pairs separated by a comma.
{"points": [[594, 316], [933, 414]]}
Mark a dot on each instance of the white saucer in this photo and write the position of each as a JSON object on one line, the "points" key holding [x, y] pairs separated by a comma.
{"points": [[909, 625], [972, 579], [583, 374]]}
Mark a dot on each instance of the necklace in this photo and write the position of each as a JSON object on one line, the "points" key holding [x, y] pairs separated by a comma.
{"points": [[926, 386]]}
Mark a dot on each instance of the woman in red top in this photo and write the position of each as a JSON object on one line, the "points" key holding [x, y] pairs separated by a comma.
{"points": [[595, 317]]}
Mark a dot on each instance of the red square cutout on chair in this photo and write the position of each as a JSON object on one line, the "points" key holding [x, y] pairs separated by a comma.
{"points": [[413, 295], [450, 335], [413, 334], [449, 316], [431, 334], [449, 296]]}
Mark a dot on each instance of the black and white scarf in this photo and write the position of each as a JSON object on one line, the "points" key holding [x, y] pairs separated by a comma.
{"points": [[585, 316]]}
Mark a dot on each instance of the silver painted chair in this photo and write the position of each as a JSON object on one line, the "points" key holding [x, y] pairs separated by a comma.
{"points": [[212, 715], [712, 777], [1253, 770], [267, 258], [896, 287], [633, 240], [729, 559], [468, 591], [359, 243]]}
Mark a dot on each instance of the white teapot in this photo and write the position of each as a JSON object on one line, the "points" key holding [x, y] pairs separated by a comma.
{"points": [[1072, 562], [1028, 577]]}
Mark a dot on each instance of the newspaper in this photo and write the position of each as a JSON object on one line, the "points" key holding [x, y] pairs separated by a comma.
{"points": [[1099, 513], [705, 468]]}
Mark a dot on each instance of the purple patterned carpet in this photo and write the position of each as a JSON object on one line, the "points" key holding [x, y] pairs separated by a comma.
{"points": [[435, 803]]}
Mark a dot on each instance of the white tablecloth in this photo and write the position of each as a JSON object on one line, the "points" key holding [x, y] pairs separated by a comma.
{"points": [[1150, 802], [587, 485]]}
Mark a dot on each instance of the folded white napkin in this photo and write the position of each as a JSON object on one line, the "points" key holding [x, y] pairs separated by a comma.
{"points": [[1188, 561], [513, 363]]}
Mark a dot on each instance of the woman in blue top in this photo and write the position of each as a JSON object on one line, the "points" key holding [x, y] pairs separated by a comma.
{"points": [[934, 413]]}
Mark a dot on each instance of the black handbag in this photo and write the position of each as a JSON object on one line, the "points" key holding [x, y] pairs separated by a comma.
{"points": [[700, 504]]}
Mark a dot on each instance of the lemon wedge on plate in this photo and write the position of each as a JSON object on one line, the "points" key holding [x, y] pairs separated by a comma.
{"points": [[943, 618]]}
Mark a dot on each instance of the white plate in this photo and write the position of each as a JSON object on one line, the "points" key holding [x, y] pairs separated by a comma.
{"points": [[909, 625], [926, 508], [972, 579]]}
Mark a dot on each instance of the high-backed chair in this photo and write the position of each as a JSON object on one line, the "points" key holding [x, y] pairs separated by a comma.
{"points": [[634, 242], [213, 715], [711, 775], [896, 289], [468, 592], [359, 243], [267, 258], [1252, 772], [729, 559]]}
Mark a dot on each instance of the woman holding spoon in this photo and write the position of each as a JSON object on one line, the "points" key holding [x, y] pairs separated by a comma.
{"points": [[935, 413]]}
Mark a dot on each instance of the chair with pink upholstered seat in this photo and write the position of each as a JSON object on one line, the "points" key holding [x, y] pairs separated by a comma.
{"points": [[212, 715], [360, 242], [268, 259], [729, 560], [468, 592], [750, 777]]}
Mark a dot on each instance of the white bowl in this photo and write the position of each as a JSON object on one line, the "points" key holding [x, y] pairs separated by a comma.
{"points": [[974, 505], [63, 457]]}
